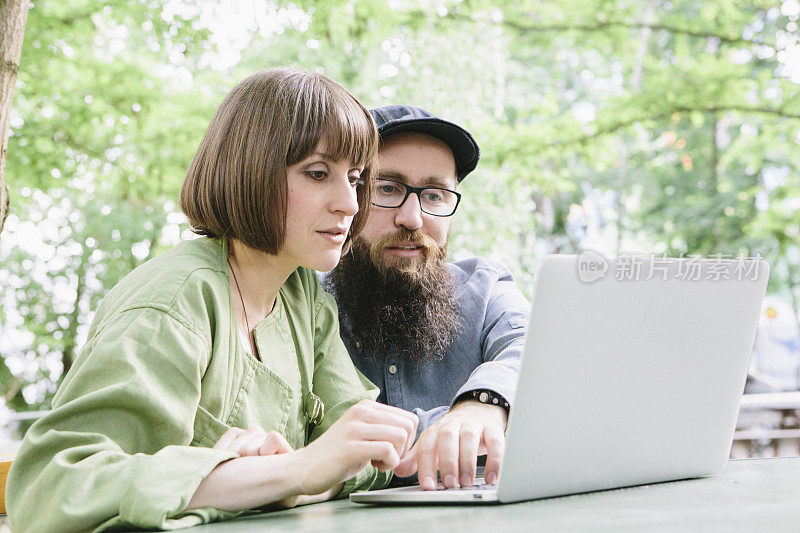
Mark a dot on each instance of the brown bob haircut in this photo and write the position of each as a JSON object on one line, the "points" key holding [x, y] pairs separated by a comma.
{"points": [[236, 185]]}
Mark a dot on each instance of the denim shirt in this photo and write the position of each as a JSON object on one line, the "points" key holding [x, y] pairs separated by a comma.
{"points": [[485, 355]]}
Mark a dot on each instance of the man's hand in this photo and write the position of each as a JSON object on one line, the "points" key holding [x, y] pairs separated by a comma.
{"points": [[453, 444]]}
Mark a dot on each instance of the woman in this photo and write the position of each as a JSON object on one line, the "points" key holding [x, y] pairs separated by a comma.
{"points": [[223, 333]]}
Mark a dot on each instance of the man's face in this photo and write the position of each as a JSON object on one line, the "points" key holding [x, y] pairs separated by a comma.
{"points": [[418, 160]]}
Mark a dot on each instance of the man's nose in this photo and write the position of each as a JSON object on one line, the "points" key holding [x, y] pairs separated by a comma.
{"points": [[345, 197], [409, 215]]}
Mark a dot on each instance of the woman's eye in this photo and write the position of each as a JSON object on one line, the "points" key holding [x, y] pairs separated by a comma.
{"points": [[356, 180], [317, 175]]}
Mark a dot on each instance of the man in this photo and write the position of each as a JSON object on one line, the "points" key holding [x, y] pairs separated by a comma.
{"points": [[441, 340]]}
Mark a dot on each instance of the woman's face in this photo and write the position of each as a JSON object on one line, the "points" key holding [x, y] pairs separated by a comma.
{"points": [[321, 205]]}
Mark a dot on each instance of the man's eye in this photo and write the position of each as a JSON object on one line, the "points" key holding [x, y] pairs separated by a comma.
{"points": [[356, 180], [387, 189], [316, 175], [433, 197]]}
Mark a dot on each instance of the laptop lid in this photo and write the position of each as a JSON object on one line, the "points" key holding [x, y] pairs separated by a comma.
{"points": [[632, 372]]}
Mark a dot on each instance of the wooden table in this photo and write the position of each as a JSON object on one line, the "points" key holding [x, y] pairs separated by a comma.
{"points": [[751, 495]]}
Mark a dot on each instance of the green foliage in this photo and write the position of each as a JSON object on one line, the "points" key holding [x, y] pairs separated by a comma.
{"points": [[103, 132], [656, 126]]}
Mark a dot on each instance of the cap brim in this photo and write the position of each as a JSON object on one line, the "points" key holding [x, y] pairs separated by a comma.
{"points": [[465, 150]]}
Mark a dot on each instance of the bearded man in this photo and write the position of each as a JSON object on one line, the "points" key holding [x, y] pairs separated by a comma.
{"points": [[440, 339]]}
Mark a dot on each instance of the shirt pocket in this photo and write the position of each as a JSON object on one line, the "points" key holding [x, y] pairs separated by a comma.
{"points": [[266, 400], [207, 428]]}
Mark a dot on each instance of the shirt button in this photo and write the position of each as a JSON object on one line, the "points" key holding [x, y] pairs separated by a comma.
{"points": [[392, 369], [358, 345]]}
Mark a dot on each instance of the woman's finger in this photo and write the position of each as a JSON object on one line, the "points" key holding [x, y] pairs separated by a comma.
{"points": [[381, 453], [250, 441], [275, 443], [375, 414], [227, 438], [394, 435]]}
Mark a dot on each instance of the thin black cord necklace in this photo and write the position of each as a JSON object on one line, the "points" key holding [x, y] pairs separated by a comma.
{"points": [[244, 310]]}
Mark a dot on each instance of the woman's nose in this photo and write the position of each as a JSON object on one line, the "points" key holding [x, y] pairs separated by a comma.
{"points": [[345, 198]]}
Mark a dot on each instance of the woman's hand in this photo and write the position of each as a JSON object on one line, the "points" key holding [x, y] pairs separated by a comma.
{"points": [[253, 441], [268, 471], [256, 441], [369, 432]]}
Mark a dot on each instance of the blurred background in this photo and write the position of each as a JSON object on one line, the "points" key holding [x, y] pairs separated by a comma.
{"points": [[652, 126]]}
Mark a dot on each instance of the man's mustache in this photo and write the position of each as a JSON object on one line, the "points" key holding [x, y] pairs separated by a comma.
{"points": [[426, 242]]}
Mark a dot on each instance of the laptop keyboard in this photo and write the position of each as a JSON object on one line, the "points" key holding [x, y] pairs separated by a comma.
{"points": [[484, 486], [480, 484]]}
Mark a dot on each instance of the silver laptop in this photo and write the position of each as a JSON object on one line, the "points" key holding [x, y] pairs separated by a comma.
{"points": [[632, 373]]}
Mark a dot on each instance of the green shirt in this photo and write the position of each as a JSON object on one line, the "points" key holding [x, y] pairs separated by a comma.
{"points": [[162, 376]]}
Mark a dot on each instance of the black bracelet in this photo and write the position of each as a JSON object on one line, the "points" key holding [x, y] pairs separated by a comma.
{"points": [[484, 396]]}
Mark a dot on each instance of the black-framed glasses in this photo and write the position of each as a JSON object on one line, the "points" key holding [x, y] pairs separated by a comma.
{"points": [[435, 201]]}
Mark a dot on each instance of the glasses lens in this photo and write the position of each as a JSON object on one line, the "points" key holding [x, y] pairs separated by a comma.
{"points": [[388, 193], [438, 201]]}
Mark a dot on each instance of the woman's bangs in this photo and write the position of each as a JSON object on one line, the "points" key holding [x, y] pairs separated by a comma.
{"points": [[327, 112], [349, 134]]}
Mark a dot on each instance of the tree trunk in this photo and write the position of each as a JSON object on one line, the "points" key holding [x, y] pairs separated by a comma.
{"points": [[13, 16]]}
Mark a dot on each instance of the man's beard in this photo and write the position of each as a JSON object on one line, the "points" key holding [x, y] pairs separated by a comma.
{"points": [[407, 308]]}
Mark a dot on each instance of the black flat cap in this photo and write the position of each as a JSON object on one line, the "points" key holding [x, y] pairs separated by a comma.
{"points": [[396, 118]]}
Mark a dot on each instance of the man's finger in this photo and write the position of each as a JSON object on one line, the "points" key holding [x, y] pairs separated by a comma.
{"points": [[447, 452], [495, 442], [469, 440], [408, 464], [425, 452]]}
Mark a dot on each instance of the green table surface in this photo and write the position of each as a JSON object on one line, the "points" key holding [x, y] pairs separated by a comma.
{"points": [[750, 495]]}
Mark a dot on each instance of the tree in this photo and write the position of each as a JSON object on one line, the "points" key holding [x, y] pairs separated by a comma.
{"points": [[97, 172], [13, 15], [655, 126]]}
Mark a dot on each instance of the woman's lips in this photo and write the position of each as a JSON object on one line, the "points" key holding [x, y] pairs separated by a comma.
{"points": [[334, 235]]}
